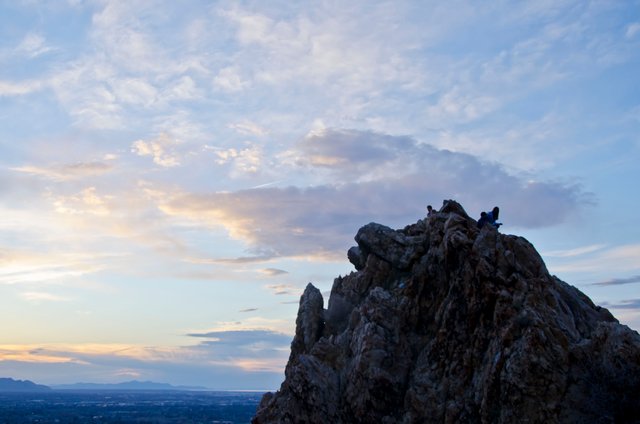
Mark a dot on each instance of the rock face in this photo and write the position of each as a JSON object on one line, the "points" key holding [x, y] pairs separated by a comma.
{"points": [[443, 322]]}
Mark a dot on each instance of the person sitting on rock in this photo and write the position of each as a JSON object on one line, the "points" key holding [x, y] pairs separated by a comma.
{"points": [[483, 219], [493, 217], [489, 218], [429, 210]]}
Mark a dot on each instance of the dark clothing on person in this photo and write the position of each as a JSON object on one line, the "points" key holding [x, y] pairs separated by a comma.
{"points": [[484, 219], [493, 215], [489, 218]]}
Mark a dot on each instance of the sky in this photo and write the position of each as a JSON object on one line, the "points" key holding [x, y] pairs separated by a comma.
{"points": [[173, 174]]}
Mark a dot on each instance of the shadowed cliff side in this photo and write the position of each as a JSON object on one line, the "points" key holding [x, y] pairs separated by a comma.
{"points": [[443, 322]]}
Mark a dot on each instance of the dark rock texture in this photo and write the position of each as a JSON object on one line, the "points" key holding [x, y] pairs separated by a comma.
{"points": [[443, 322]]}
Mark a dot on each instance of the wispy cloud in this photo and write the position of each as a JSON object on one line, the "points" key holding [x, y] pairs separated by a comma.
{"points": [[284, 289], [238, 352], [632, 29], [87, 202], [619, 281], [248, 128], [273, 272], [8, 88], [31, 354], [128, 70], [320, 220], [38, 297], [134, 91], [229, 79], [244, 161], [244, 351], [19, 267], [33, 45], [578, 251], [69, 171], [250, 350], [250, 324], [624, 304], [231, 261], [621, 258]]}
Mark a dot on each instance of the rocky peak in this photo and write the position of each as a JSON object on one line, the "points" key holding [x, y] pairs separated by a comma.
{"points": [[445, 322]]}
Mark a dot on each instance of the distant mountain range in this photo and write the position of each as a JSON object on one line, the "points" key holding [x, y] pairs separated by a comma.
{"points": [[127, 385], [11, 385]]}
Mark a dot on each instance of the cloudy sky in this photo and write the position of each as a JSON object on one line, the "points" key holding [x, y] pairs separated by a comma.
{"points": [[172, 174]]}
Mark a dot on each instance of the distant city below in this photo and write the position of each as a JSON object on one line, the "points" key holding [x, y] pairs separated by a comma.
{"points": [[118, 406], [23, 401]]}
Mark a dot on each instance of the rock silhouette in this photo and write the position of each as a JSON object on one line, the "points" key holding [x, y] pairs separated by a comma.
{"points": [[443, 322]]}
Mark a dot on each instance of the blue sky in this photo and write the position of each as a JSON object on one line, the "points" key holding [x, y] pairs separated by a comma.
{"points": [[173, 174]]}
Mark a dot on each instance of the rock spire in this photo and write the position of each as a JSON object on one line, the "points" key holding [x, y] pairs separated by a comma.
{"points": [[443, 322]]}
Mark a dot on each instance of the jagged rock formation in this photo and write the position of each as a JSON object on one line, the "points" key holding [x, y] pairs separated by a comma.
{"points": [[443, 322]]}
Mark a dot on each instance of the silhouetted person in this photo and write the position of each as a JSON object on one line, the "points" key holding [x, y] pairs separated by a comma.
{"points": [[490, 218], [484, 218], [493, 215], [429, 210]]}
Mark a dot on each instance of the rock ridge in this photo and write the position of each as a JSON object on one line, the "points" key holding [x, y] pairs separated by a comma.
{"points": [[444, 322]]}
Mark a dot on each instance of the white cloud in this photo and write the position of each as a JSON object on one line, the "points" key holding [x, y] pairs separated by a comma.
{"points": [[179, 126], [273, 272], [366, 176], [252, 28], [632, 30], [85, 202], [624, 258], [460, 107], [110, 224], [229, 79], [225, 156], [121, 34], [248, 161], [184, 88], [38, 297], [33, 45], [578, 251], [221, 360], [334, 49], [248, 128], [134, 91], [27, 266], [160, 149], [84, 90], [255, 350], [131, 68], [19, 88], [244, 161], [532, 145]]}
